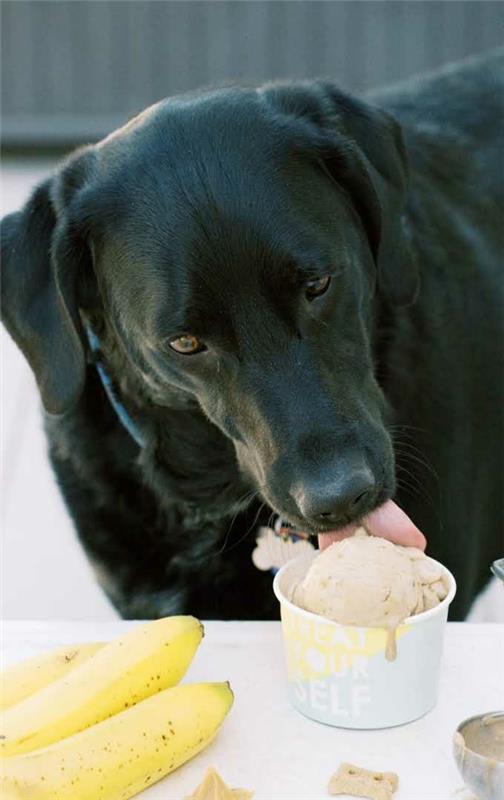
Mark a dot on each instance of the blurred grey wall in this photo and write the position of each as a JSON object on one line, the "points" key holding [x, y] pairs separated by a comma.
{"points": [[72, 70]]}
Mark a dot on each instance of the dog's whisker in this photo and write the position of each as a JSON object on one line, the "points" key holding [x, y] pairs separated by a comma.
{"points": [[415, 458], [416, 455], [406, 487], [249, 495], [403, 480], [270, 519], [422, 484], [418, 489], [406, 427], [249, 529], [412, 481]]}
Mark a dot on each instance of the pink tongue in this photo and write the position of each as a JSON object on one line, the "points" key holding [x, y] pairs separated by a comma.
{"points": [[388, 521]]}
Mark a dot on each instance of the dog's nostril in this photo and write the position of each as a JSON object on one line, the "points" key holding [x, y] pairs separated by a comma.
{"points": [[357, 500]]}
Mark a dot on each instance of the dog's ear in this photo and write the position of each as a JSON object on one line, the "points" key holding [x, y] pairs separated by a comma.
{"points": [[42, 256], [362, 148]]}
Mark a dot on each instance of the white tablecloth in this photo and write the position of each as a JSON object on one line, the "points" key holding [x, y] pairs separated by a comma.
{"points": [[267, 746]]}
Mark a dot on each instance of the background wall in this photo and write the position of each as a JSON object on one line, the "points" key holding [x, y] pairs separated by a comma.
{"points": [[75, 70], [71, 72]]}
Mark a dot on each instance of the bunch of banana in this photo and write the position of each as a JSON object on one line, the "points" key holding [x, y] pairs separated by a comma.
{"points": [[126, 753], [111, 725]]}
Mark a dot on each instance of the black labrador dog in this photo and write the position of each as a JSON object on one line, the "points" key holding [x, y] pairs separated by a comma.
{"points": [[292, 300]]}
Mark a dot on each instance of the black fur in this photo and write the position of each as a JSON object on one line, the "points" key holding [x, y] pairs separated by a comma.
{"points": [[206, 215]]}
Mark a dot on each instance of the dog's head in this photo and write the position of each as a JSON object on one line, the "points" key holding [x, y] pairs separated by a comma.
{"points": [[226, 247]]}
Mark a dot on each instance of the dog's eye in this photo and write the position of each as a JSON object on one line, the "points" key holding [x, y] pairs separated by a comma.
{"points": [[187, 345], [317, 286]]}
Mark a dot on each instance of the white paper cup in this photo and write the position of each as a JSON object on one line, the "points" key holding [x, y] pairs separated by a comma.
{"points": [[338, 674]]}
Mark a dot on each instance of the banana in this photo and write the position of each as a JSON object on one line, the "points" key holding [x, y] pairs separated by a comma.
{"points": [[23, 679], [144, 661], [125, 754]]}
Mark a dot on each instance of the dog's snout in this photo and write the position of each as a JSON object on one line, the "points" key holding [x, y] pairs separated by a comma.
{"points": [[334, 501]]}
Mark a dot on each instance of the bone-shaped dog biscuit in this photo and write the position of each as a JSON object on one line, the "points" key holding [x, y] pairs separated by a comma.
{"points": [[360, 782]]}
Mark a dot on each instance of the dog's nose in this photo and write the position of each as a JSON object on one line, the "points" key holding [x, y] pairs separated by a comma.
{"points": [[336, 501]]}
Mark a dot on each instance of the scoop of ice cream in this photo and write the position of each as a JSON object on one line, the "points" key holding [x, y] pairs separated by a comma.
{"points": [[368, 581]]}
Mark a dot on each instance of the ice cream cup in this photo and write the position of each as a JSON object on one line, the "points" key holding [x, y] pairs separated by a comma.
{"points": [[338, 674]]}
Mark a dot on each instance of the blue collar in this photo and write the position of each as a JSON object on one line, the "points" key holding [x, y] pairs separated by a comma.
{"points": [[116, 404]]}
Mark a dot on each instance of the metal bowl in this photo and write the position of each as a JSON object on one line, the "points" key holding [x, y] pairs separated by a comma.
{"points": [[483, 775]]}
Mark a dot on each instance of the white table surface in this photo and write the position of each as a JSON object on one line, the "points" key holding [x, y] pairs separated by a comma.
{"points": [[267, 746]]}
